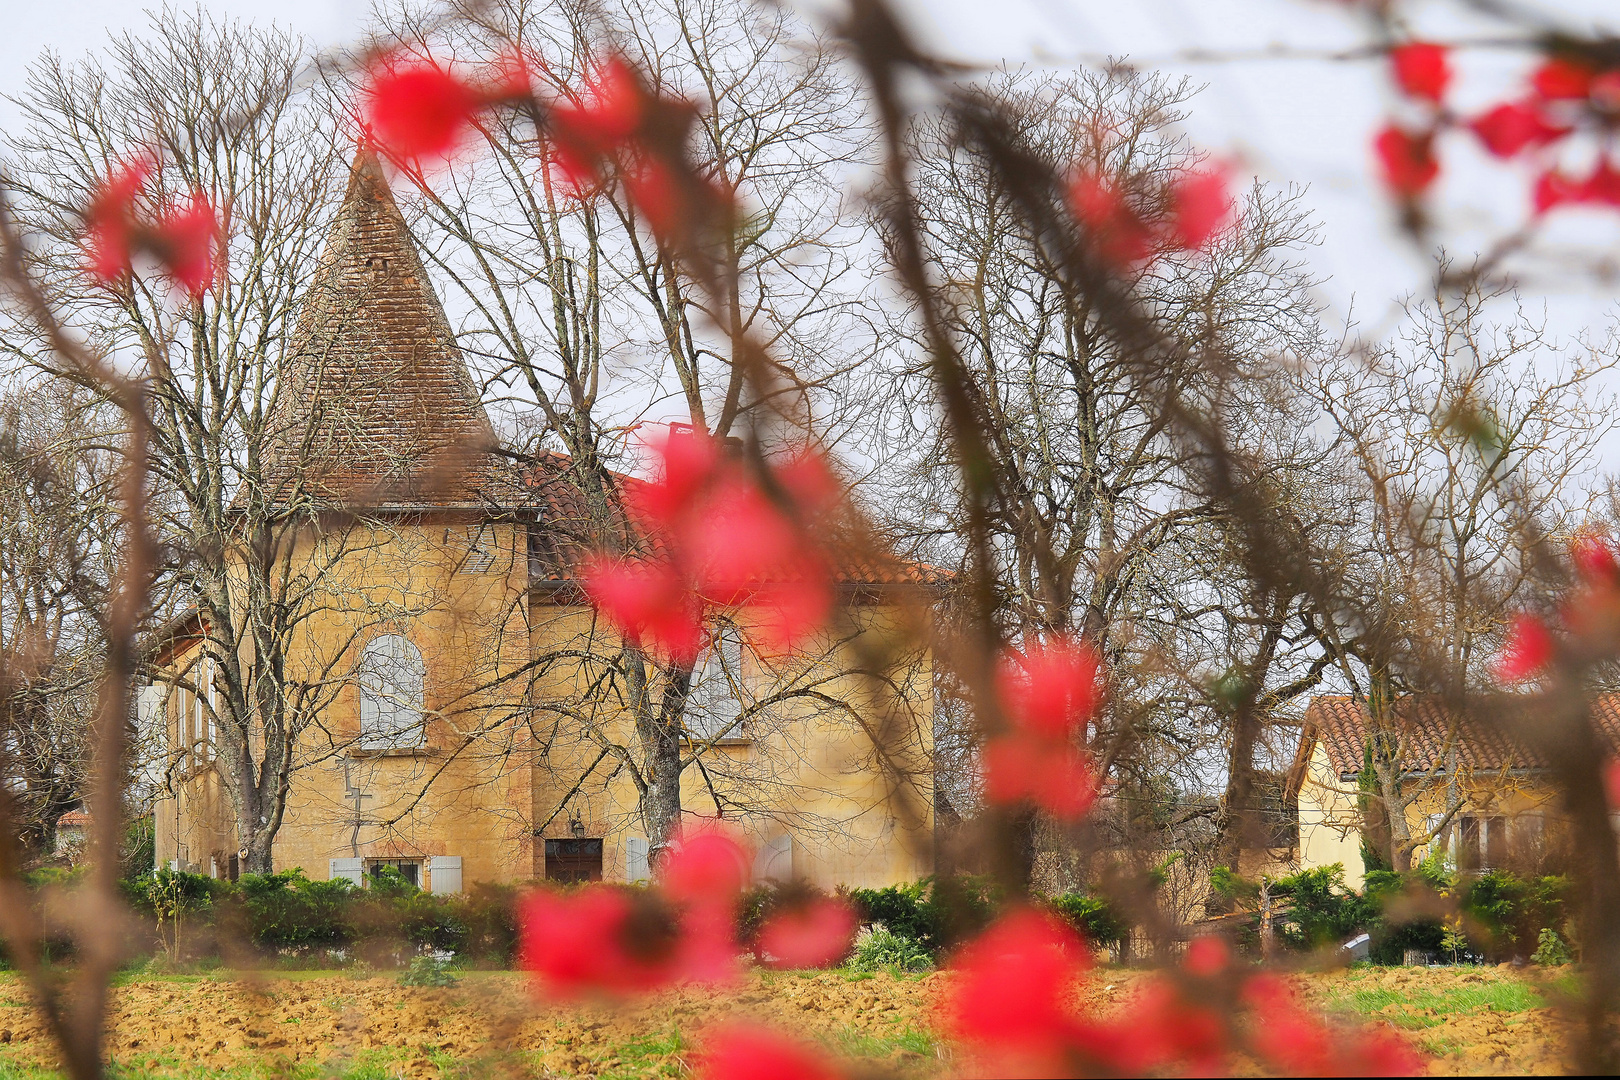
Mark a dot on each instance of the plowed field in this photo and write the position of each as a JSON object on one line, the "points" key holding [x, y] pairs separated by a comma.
{"points": [[1471, 1020]]}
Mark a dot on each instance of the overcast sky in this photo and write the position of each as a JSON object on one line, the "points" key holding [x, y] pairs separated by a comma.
{"points": [[1303, 121]]}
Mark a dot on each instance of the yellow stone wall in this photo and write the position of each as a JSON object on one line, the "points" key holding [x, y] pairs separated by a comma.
{"points": [[1330, 822], [500, 766]]}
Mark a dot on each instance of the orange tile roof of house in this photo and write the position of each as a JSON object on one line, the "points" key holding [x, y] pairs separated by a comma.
{"points": [[1340, 723]]}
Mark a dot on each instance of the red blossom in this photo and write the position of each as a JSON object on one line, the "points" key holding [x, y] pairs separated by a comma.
{"points": [[720, 540], [110, 222], [609, 112], [1422, 69], [1603, 186], [1056, 778], [1206, 957], [810, 935], [1595, 562], [1510, 128], [1611, 782], [1529, 649], [1605, 90], [416, 109], [1115, 230], [1200, 206], [1013, 986], [187, 242], [1051, 690], [650, 604], [1562, 79], [1408, 160], [706, 867], [740, 1052], [1296, 1043], [1553, 189], [595, 941]]}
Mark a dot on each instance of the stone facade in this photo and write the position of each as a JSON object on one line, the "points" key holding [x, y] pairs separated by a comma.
{"points": [[428, 616]]}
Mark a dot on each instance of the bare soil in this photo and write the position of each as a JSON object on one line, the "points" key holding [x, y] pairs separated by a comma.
{"points": [[1472, 1021]]}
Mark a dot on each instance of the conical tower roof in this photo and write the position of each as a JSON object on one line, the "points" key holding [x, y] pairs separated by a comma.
{"points": [[376, 405]]}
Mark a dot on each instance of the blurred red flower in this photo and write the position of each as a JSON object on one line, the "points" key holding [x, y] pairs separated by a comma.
{"points": [[188, 243], [705, 867], [1595, 562], [1553, 189], [1562, 79], [1510, 128], [1051, 689], [1048, 694], [1611, 783], [1408, 160], [1422, 69], [415, 109], [649, 603], [601, 939], [743, 1052], [1013, 986], [808, 935], [110, 222], [608, 113], [718, 539], [1115, 230], [1200, 206], [1296, 1043], [185, 241], [1529, 649]]}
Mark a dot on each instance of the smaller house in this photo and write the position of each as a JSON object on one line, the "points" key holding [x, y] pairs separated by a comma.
{"points": [[72, 832], [1508, 801]]}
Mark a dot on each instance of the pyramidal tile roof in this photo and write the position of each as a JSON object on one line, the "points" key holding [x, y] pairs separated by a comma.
{"points": [[376, 405]]}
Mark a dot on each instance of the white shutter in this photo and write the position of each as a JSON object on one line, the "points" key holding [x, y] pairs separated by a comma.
{"points": [[444, 874], [352, 869], [774, 860], [635, 860]]}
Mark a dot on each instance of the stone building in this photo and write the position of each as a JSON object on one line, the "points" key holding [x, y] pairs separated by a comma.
{"points": [[467, 729]]}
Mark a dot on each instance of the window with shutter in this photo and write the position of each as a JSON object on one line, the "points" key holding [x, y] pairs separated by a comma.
{"points": [[715, 702], [391, 678]]}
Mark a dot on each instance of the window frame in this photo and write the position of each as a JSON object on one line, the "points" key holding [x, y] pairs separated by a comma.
{"points": [[409, 700]]}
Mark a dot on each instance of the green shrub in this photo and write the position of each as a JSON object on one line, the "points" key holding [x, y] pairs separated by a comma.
{"points": [[1092, 917], [1551, 949], [1322, 911], [428, 971], [936, 912], [885, 950], [287, 910]]}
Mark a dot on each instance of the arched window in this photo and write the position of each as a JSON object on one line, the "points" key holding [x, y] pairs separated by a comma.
{"points": [[391, 676]]}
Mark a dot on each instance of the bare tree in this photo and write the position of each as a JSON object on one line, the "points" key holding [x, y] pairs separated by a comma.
{"points": [[1467, 427], [1092, 493], [59, 545]]}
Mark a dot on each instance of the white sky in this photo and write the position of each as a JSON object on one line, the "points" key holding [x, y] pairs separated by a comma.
{"points": [[1299, 121]]}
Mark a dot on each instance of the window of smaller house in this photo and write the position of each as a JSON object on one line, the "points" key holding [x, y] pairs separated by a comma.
{"points": [[715, 701], [1482, 842], [571, 861], [391, 677]]}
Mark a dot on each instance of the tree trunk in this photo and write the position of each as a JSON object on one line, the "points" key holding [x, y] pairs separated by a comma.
{"points": [[660, 735]]}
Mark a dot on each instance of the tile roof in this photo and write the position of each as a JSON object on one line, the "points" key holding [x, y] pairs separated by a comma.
{"points": [[377, 406], [570, 531], [1340, 724]]}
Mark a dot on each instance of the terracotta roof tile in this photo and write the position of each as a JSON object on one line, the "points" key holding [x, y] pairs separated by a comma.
{"points": [[569, 531], [1340, 723]]}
